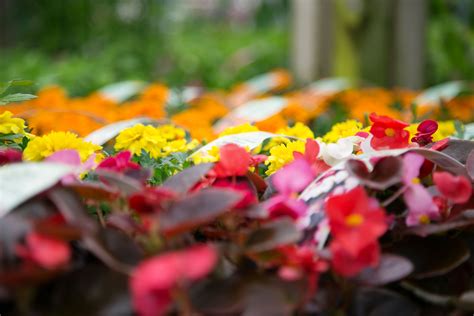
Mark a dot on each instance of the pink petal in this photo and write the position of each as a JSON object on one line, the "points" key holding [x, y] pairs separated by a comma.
{"points": [[294, 177], [66, 156], [419, 202], [411, 167]]}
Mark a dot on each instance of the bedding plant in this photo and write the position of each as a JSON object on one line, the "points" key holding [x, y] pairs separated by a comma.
{"points": [[372, 217]]}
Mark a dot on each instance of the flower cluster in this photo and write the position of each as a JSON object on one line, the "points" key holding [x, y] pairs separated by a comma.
{"points": [[284, 215]]}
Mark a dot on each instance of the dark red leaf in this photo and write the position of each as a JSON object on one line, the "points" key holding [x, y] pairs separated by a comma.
{"points": [[387, 172], [391, 268], [182, 182], [433, 255], [272, 235], [197, 209]]}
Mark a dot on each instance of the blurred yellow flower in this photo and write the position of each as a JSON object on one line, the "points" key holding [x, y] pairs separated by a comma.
{"points": [[203, 157], [140, 137], [342, 130], [158, 141], [243, 128], [445, 129], [282, 154], [43, 146], [298, 130], [10, 124]]}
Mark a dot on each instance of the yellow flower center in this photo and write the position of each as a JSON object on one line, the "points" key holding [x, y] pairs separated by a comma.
{"points": [[424, 219], [389, 132], [354, 220], [415, 180]]}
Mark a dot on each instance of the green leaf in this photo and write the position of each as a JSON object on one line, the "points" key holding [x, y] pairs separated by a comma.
{"points": [[4, 86], [16, 97]]}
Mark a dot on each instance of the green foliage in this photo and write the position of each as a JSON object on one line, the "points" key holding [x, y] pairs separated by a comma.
{"points": [[14, 97]]}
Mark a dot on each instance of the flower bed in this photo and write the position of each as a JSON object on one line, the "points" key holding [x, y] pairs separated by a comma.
{"points": [[317, 201]]}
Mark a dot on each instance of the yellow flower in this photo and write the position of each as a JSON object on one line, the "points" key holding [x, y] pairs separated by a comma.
{"points": [[10, 124], [157, 141], [203, 157], [412, 129], [282, 154], [341, 130], [179, 145], [171, 132], [298, 130], [243, 128], [141, 137], [445, 129], [41, 147]]}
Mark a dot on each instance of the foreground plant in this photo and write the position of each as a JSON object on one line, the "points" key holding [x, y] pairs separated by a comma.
{"points": [[368, 223]]}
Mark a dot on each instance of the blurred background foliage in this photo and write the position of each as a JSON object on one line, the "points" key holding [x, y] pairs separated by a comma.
{"points": [[86, 44]]}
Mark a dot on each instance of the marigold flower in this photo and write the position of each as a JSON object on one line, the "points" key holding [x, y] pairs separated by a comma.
{"points": [[243, 128], [298, 130], [44, 146], [282, 154], [10, 124]]}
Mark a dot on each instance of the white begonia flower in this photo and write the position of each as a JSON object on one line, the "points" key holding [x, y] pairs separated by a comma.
{"points": [[343, 149]]}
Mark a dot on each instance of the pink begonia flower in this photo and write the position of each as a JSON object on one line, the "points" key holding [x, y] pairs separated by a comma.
{"points": [[293, 177], [456, 188], [71, 157], [119, 163], [289, 181], [154, 279], [421, 206]]}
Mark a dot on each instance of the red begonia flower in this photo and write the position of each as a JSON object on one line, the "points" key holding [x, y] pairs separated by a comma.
{"points": [[355, 220], [311, 154], [456, 188], [153, 280], [234, 161], [350, 264], [249, 196], [388, 133], [425, 131], [281, 205], [150, 200], [47, 252], [119, 163], [9, 155]]}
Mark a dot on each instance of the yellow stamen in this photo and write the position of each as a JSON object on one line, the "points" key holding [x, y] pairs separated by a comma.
{"points": [[415, 180], [389, 132], [424, 219], [354, 220]]}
